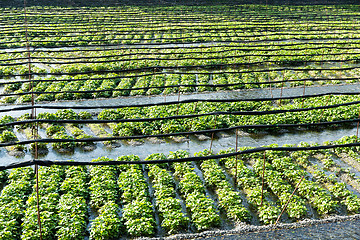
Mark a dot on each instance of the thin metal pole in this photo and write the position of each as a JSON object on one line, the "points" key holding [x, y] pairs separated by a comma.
{"points": [[287, 203], [236, 157], [281, 91], [212, 135], [37, 199], [302, 104], [357, 128], [192, 120], [35, 126], [178, 102], [271, 93], [263, 180]]}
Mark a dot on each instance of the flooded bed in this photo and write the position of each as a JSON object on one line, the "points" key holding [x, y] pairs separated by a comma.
{"points": [[192, 144], [96, 105]]}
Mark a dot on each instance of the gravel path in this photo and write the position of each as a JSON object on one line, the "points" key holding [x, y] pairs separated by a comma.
{"points": [[336, 227], [338, 230]]}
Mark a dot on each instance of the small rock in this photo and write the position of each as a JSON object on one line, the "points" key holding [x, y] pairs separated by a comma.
{"points": [[65, 150], [223, 135], [135, 142], [155, 140], [179, 139], [242, 133], [202, 137], [16, 153], [89, 148], [112, 144]]}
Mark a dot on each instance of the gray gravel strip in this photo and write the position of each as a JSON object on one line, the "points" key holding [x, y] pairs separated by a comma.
{"points": [[335, 227]]}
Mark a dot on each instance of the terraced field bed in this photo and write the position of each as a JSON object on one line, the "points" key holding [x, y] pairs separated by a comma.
{"points": [[192, 88], [188, 197]]}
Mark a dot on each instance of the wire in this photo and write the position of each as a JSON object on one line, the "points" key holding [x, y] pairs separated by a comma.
{"points": [[189, 159], [162, 68], [210, 131], [182, 46], [280, 62]]}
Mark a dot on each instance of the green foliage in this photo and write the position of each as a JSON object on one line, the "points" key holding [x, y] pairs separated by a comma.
{"points": [[7, 136], [53, 129], [173, 220], [103, 187], [137, 213], [63, 145], [50, 179], [66, 114], [6, 119], [108, 224], [229, 200], [72, 217], [84, 115], [138, 217], [202, 209]]}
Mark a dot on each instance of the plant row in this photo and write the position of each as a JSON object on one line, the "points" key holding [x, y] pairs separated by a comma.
{"points": [[228, 199], [50, 180], [318, 197], [120, 194], [232, 114], [12, 201], [73, 208], [337, 189], [250, 183], [202, 209], [296, 207], [169, 208], [104, 194], [236, 114], [138, 211], [168, 84]]}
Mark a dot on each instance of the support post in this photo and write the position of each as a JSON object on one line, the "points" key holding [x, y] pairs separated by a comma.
{"points": [[287, 203], [212, 135], [263, 180], [33, 116], [236, 157], [178, 106], [357, 128]]}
